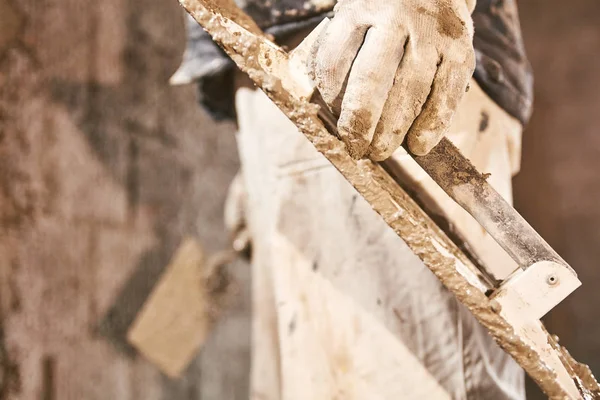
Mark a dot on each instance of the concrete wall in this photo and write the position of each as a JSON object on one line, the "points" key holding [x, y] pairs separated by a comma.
{"points": [[104, 168]]}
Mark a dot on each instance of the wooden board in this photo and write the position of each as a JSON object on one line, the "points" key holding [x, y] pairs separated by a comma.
{"points": [[178, 314]]}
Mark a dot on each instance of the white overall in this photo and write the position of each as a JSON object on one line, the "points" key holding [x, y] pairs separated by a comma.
{"points": [[342, 309]]}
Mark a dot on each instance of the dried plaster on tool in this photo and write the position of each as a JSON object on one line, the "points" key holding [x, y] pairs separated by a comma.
{"points": [[270, 68]]}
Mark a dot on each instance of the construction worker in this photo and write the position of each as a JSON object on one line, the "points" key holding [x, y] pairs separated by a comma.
{"points": [[342, 309]]}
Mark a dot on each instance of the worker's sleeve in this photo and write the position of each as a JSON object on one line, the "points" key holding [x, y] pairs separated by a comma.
{"points": [[503, 70], [205, 63]]}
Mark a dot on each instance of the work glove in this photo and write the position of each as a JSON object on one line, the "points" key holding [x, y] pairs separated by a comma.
{"points": [[391, 69]]}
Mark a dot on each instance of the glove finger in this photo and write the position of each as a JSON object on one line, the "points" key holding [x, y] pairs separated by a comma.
{"points": [[448, 88], [333, 54], [411, 86], [369, 84]]}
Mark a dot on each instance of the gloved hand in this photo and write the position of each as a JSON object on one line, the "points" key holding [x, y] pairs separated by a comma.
{"points": [[394, 68]]}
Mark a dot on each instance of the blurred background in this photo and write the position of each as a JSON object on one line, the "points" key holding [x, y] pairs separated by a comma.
{"points": [[105, 169]]}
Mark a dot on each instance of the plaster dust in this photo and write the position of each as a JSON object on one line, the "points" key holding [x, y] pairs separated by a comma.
{"points": [[581, 373], [448, 23], [399, 211], [457, 176]]}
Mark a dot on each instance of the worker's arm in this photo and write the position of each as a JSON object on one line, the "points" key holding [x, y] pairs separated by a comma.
{"points": [[394, 69]]}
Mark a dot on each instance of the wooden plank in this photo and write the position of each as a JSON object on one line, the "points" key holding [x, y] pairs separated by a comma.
{"points": [[179, 314]]}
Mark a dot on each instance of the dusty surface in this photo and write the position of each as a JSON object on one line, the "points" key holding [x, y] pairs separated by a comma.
{"points": [[469, 188], [397, 209], [103, 170]]}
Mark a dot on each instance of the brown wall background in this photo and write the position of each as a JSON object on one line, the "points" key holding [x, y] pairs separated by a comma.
{"points": [[558, 189], [104, 169]]}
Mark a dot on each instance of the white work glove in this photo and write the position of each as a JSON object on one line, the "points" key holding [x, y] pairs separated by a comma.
{"points": [[392, 69]]}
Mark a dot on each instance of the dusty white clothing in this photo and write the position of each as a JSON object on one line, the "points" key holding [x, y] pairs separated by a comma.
{"points": [[342, 309]]}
